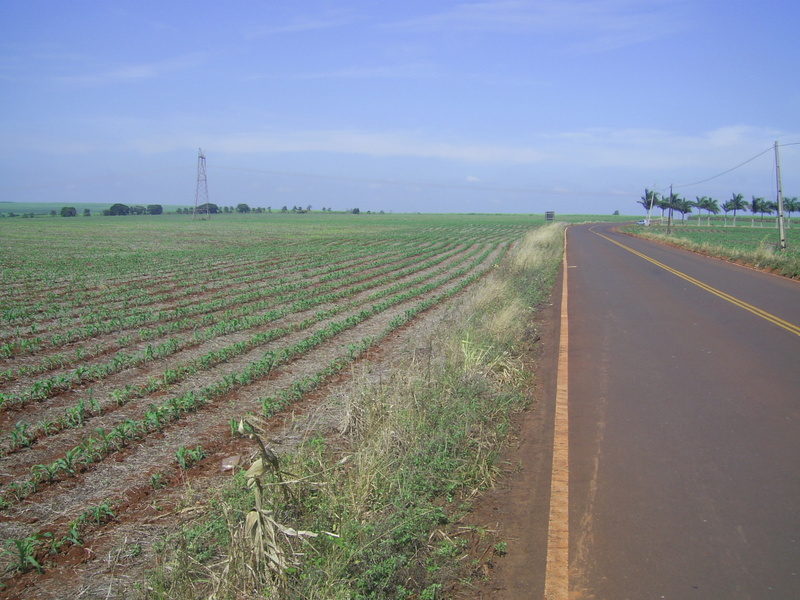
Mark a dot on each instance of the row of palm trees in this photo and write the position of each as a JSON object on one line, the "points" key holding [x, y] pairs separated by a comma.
{"points": [[653, 199]]}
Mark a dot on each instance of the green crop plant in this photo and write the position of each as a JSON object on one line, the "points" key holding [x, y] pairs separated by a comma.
{"points": [[102, 513], [73, 535], [24, 553], [76, 415], [21, 435], [188, 457], [158, 481], [45, 472], [69, 462], [89, 450]]}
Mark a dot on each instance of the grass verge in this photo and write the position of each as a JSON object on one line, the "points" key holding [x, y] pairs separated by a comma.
{"points": [[757, 246], [364, 513]]}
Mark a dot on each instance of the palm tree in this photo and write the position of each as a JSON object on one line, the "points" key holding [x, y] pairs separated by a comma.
{"points": [[768, 207], [700, 203], [711, 206], [683, 206], [649, 199], [663, 204], [737, 203], [791, 205], [756, 206], [726, 206], [672, 203]]}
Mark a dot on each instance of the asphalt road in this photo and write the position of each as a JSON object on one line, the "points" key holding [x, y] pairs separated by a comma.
{"points": [[684, 425]]}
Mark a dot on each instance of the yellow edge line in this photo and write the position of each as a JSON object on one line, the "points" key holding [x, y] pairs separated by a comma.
{"points": [[732, 299], [556, 584]]}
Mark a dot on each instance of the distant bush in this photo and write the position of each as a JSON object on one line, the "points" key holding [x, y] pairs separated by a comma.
{"points": [[118, 210]]}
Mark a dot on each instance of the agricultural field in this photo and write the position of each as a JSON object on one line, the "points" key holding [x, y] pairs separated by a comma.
{"points": [[130, 347], [754, 245]]}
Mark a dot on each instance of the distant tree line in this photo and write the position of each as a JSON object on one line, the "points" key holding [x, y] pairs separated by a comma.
{"points": [[121, 210], [116, 210], [756, 206]]}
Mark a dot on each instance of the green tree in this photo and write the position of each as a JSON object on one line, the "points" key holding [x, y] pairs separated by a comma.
{"points": [[683, 206], [711, 206], [119, 210], [768, 208], [209, 208], [242, 208], [663, 203], [726, 208], [649, 200], [756, 206], [791, 205], [699, 202], [155, 209], [69, 211], [737, 202], [87, 212]]}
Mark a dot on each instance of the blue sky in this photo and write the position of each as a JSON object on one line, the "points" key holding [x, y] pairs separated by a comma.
{"points": [[435, 106]]}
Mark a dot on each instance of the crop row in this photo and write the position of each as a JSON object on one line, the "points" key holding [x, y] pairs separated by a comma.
{"points": [[216, 356], [105, 304], [19, 438], [300, 301], [257, 295], [95, 447]]}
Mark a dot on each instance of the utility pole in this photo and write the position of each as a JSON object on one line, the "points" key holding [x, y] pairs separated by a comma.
{"points": [[669, 218], [781, 225], [652, 201], [201, 192]]}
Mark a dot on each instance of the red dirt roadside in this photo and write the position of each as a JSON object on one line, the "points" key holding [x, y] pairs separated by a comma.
{"points": [[512, 558]]}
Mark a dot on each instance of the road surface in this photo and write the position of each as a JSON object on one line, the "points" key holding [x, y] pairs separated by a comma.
{"points": [[684, 425]]}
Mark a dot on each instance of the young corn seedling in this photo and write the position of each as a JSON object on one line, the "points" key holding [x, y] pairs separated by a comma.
{"points": [[20, 436], [102, 513], [186, 458], [23, 551]]}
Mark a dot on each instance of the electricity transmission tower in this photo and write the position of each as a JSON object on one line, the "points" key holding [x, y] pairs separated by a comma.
{"points": [[201, 193]]}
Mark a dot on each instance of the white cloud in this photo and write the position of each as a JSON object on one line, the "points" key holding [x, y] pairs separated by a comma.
{"points": [[721, 148], [133, 72], [587, 25], [348, 142], [304, 23], [402, 71]]}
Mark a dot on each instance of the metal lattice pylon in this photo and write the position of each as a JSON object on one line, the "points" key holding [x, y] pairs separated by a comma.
{"points": [[201, 193]]}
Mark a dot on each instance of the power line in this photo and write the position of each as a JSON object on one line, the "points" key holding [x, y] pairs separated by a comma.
{"points": [[90, 180], [737, 166], [726, 172], [402, 182]]}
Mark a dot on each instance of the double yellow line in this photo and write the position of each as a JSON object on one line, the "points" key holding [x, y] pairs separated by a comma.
{"points": [[720, 294]]}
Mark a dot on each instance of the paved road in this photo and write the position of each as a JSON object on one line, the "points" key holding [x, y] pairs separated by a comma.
{"points": [[684, 425]]}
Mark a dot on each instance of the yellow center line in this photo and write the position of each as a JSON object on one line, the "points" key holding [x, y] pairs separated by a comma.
{"points": [[732, 299], [556, 582]]}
